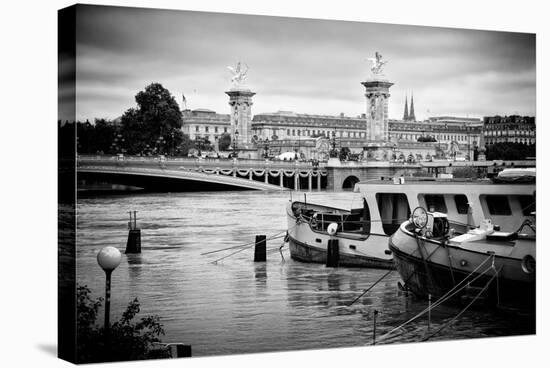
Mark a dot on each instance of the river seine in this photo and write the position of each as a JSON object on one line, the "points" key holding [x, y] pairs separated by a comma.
{"points": [[237, 306]]}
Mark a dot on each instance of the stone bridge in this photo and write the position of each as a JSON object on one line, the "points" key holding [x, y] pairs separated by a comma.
{"points": [[189, 174]]}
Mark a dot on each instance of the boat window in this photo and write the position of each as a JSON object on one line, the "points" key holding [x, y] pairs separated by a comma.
{"points": [[435, 203], [394, 210], [527, 204], [358, 220], [498, 205], [461, 202]]}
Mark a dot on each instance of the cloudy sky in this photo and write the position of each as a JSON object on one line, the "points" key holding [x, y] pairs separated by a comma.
{"points": [[301, 65]]}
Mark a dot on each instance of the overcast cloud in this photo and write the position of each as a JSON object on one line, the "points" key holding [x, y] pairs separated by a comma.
{"points": [[302, 65]]}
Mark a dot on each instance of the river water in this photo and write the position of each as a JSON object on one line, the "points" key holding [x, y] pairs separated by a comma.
{"points": [[236, 306]]}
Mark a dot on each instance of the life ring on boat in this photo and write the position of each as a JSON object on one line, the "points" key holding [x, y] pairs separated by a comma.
{"points": [[528, 264]]}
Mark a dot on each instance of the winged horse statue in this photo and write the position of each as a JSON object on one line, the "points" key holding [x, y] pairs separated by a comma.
{"points": [[239, 74], [377, 64]]}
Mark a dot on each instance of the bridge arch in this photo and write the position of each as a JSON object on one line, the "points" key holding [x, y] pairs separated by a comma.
{"points": [[349, 182]]}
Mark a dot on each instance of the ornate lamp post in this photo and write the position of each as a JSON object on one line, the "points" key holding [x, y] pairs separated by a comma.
{"points": [[108, 259], [266, 145], [235, 142], [172, 135]]}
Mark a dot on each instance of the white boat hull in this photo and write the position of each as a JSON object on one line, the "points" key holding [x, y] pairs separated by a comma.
{"points": [[355, 250]]}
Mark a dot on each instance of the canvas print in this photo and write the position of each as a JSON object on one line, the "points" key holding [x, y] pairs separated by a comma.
{"points": [[233, 184]]}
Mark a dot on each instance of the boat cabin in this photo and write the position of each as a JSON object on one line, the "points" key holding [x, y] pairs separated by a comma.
{"points": [[466, 204]]}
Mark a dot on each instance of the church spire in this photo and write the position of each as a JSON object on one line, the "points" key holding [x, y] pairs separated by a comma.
{"points": [[411, 111], [406, 113]]}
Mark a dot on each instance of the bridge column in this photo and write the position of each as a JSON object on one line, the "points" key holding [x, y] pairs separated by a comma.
{"points": [[266, 176], [281, 175], [296, 179], [235, 172], [309, 179], [250, 175], [318, 181]]}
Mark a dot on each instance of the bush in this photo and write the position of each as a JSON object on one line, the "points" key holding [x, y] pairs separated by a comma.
{"points": [[465, 172], [125, 340]]}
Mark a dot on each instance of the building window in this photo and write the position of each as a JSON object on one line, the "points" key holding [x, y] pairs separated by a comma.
{"points": [[196, 128], [288, 132], [394, 209], [215, 129], [206, 129], [225, 129]]}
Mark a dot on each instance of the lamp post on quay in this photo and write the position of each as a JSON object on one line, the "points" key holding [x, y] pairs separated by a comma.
{"points": [[108, 259]]}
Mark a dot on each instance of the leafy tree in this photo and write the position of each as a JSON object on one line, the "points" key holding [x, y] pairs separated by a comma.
{"points": [[155, 122], [224, 142], [510, 151], [125, 340]]}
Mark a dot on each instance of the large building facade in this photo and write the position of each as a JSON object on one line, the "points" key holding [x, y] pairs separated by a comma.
{"points": [[205, 124], [509, 129], [372, 134]]}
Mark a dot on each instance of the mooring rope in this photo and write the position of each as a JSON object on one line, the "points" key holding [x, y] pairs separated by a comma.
{"points": [[449, 294], [274, 236], [463, 310], [244, 248], [370, 287]]}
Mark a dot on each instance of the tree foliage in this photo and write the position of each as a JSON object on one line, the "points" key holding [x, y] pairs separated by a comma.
{"points": [[510, 151], [154, 126], [96, 138], [224, 142], [125, 340]]}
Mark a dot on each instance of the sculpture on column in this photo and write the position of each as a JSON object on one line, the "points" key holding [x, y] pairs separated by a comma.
{"points": [[238, 74], [377, 64]]}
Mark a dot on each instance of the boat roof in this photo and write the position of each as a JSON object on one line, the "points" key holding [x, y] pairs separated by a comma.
{"points": [[444, 186]]}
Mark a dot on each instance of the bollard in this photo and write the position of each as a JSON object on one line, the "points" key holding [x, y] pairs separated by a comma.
{"points": [[333, 254], [133, 245], [260, 248]]}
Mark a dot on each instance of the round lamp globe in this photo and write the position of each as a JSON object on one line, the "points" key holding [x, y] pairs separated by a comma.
{"points": [[109, 258]]}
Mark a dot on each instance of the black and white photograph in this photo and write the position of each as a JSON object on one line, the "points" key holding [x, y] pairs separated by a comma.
{"points": [[269, 184], [246, 185]]}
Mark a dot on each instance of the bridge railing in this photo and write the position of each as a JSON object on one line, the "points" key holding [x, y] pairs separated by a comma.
{"points": [[204, 162]]}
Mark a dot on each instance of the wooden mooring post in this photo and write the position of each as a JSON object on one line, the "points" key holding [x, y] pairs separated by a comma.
{"points": [[333, 253], [133, 245], [260, 248]]}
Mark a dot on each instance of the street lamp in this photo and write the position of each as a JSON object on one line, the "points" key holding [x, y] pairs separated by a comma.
{"points": [[172, 134], [108, 259], [266, 145], [235, 142]]}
